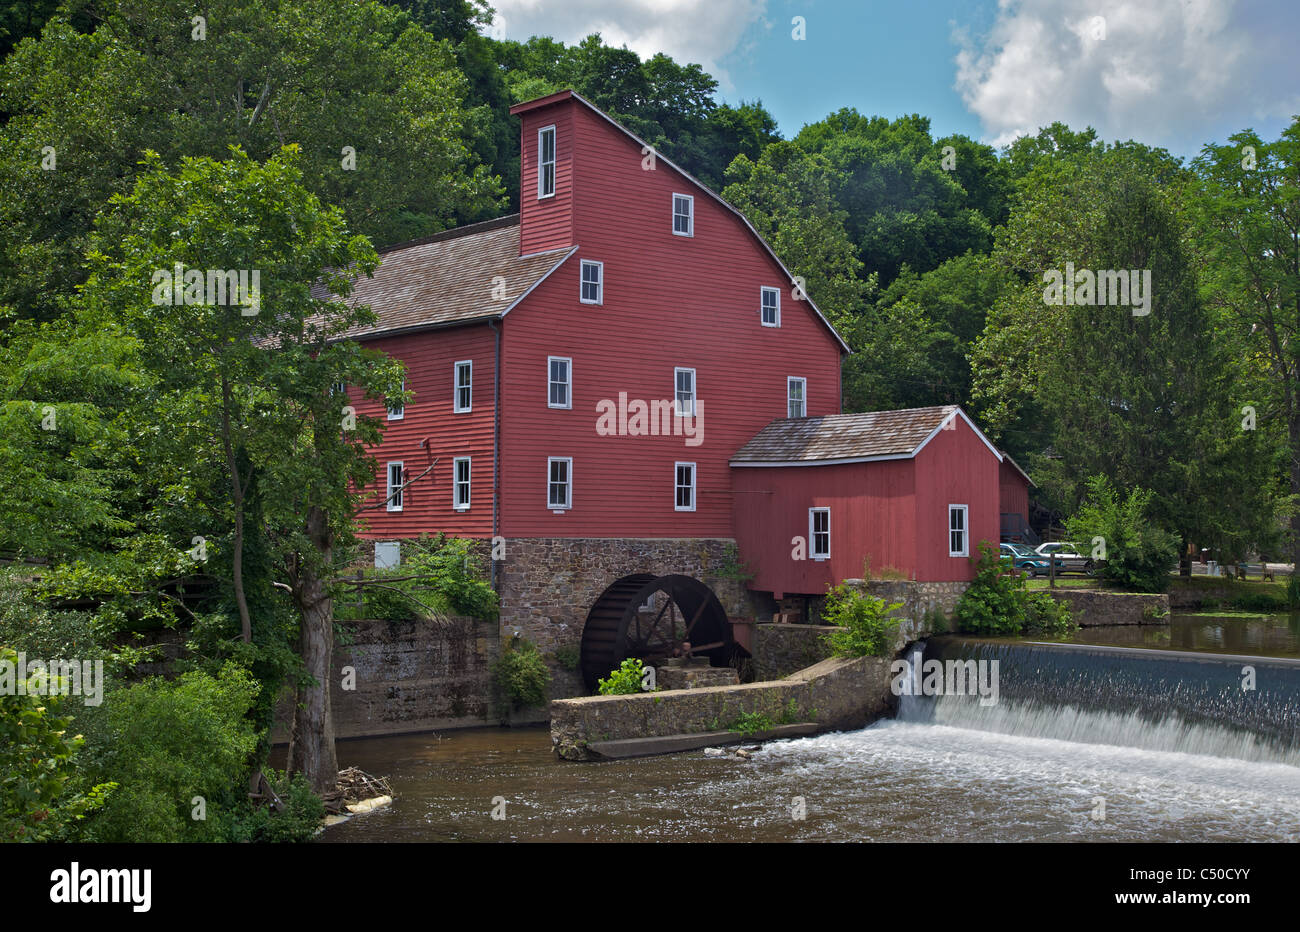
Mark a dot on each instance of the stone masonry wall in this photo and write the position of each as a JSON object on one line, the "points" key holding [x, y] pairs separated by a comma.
{"points": [[547, 585], [1090, 608], [836, 694]]}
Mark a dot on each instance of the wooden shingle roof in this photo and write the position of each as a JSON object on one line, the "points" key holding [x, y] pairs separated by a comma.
{"points": [[837, 438], [470, 273]]}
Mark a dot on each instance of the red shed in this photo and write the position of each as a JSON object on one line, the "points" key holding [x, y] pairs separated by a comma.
{"points": [[1013, 493], [914, 490]]}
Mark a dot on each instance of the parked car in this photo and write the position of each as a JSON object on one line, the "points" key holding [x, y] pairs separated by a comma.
{"points": [[1068, 554], [1028, 562]]}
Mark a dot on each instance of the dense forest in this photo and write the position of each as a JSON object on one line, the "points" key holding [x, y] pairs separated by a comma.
{"points": [[188, 466]]}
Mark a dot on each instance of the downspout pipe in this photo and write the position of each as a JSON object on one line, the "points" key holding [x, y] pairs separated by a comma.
{"points": [[496, 449]]}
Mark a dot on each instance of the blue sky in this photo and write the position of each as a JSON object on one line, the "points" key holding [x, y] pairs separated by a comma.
{"points": [[1173, 73]]}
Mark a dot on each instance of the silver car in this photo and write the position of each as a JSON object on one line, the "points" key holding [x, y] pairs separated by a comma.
{"points": [[1068, 554]]}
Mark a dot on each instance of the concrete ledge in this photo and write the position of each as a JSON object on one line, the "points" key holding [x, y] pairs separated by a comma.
{"points": [[833, 694]]}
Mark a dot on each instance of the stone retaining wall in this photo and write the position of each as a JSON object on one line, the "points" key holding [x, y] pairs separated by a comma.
{"points": [[780, 650], [1091, 608], [836, 694]]}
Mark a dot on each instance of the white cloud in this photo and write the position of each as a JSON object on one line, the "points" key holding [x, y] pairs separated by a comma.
{"points": [[700, 31], [1167, 72]]}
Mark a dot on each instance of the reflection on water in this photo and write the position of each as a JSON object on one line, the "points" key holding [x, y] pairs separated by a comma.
{"points": [[1272, 636]]}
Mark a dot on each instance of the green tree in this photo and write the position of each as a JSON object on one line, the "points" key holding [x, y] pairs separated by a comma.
{"points": [[316, 73]]}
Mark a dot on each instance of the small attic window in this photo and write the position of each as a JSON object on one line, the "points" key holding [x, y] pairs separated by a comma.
{"points": [[545, 162]]}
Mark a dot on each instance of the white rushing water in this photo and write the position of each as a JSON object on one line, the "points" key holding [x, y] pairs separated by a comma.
{"points": [[947, 782]]}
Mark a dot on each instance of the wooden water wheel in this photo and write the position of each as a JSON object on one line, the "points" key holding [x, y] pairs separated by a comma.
{"points": [[653, 618]]}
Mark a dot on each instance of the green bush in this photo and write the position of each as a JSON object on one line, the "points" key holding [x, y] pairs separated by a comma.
{"points": [[166, 742], [298, 821], [521, 675], [867, 625], [997, 602], [439, 576], [568, 656], [1138, 553], [751, 723], [625, 681], [38, 797]]}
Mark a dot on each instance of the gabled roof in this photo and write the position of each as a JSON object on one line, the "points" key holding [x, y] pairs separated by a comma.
{"points": [[660, 157], [850, 438], [1006, 458], [451, 278]]}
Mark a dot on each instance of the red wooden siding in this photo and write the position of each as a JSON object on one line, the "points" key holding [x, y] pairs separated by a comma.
{"points": [[1013, 491], [872, 514], [669, 301], [430, 359], [954, 468], [892, 512], [546, 223]]}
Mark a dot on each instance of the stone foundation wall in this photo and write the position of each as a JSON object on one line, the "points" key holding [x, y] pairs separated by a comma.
{"points": [[1091, 608], [836, 694], [780, 650], [547, 585]]}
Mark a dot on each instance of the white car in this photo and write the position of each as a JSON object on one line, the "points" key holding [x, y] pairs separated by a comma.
{"points": [[1068, 554]]}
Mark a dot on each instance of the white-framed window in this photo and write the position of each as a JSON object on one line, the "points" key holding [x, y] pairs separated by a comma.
{"points": [[545, 162], [796, 397], [339, 388], [770, 306], [684, 487], [593, 282], [559, 392], [684, 392], [819, 533], [958, 531], [460, 483], [463, 387], [683, 215], [559, 482], [388, 554], [398, 412], [395, 490]]}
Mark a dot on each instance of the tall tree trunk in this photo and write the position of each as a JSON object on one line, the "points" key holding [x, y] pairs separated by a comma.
{"points": [[314, 720], [237, 500], [1292, 588]]}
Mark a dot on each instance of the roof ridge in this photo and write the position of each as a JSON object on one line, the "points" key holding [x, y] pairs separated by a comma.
{"points": [[469, 229]]}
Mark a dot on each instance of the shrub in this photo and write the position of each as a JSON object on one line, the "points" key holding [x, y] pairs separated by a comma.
{"points": [[166, 742], [997, 602], [568, 656], [867, 625], [1138, 554], [624, 681], [751, 723], [38, 799], [442, 575], [521, 675], [298, 821]]}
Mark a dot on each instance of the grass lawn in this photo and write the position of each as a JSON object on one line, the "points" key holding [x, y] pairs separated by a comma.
{"points": [[1063, 582]]}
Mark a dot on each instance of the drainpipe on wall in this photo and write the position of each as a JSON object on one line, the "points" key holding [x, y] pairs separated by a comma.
{"points": [[496, 446]]}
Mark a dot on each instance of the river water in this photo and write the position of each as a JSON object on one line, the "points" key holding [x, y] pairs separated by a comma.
{"points": [[1086, 744]]}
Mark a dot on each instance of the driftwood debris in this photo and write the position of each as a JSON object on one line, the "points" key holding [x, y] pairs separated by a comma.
{"points": [[354, 785]]}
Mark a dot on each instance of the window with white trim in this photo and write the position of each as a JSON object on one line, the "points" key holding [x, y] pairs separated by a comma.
{"points": [[545, 162], [558, 389], [398, 412], [683, 215], [559, 482], [463, 385], [819, 533], [339, 388], [958, 531], [684, 392], [796, 391], [684, 487], [460, 483], [593, 282], [770, 306], [395, 490]]}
